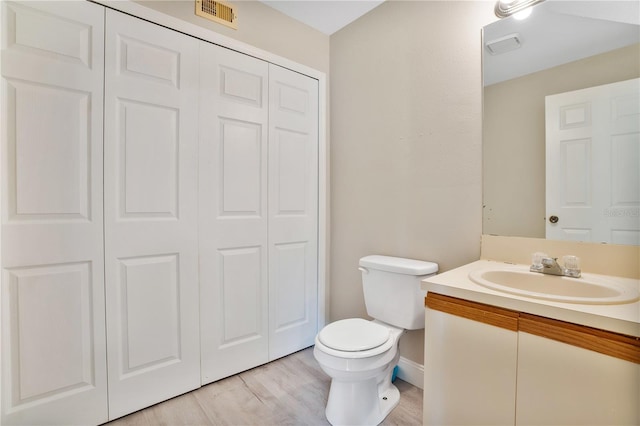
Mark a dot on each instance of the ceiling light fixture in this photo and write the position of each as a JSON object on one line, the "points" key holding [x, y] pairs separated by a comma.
{"points": [[505, 8], [523, 14]]}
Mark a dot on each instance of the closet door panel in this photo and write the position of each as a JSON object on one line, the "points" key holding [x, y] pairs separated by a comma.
{"points": [[53, 338], [233, 212], [148, 163], [293, 211], [151, 260]]}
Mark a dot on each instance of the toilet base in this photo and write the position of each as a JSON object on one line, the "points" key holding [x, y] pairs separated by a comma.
{"points": [[365, 402]]}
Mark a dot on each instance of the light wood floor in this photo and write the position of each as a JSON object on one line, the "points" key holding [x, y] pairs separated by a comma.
{"points": [[290, 391]]}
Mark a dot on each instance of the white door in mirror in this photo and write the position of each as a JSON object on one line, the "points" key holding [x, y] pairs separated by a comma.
{"points": [[587, 200]]}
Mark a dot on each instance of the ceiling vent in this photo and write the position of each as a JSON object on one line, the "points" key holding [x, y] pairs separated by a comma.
{"points": [[217, 11], [503, 44]]}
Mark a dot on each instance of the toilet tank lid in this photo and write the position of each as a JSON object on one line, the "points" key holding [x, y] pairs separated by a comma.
{"points": [[399, 265]]}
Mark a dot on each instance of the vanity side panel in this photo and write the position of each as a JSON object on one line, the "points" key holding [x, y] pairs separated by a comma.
{"points": [[470, 367], [560, 383]]}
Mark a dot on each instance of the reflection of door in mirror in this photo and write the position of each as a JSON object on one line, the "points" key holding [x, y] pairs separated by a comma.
{"points": [[596, 201], [564, 46]]}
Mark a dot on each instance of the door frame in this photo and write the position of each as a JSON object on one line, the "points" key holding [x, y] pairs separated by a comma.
{"points": [[154, 16]]}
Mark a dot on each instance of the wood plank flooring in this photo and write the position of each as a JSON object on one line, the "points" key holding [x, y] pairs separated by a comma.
{"points": [[290, 391]]}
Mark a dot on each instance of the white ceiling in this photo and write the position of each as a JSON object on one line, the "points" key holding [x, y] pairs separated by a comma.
{"points": [[559, 32], [327, 16]]}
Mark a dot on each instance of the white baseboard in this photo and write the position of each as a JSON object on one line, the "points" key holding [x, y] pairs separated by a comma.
{"points": [[411, 372]]}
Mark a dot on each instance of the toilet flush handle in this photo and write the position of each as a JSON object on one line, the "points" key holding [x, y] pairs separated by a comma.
{"points": [[363, 270]]}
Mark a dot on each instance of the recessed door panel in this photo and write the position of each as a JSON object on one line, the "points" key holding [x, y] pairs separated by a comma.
{"points": [[625, 170], [241, 168], [150, 312], [575, 180], [43, 299], [625, 110], [51, 150], [293, 99], [575, 115], [241, 86], [241, 271], [625, 236], [148, 166], [151, 260], [40, 32], [144, 60], [52, 292], [576, 234], [292, 171], [290, 271]]}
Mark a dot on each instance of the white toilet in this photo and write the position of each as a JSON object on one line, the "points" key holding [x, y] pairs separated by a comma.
{"points": [[360, 355]]}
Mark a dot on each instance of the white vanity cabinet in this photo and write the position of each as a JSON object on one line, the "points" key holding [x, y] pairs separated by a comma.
{"points": [[488, 365], [470, 363], [571, 374]]}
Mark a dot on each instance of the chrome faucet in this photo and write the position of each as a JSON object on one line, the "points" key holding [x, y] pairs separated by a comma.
{"points": [[549, 265]]}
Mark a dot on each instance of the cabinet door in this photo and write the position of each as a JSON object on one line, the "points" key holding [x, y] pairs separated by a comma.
{"points": [[293, 211], [564, 384], [53, 338], [151, 261], [233, 212], [471, 351]]}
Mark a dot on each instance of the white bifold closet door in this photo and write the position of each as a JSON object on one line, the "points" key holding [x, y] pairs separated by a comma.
{"points": [[53, 338], [233, 212], [151, 258], [293, 211], [258, 211]]}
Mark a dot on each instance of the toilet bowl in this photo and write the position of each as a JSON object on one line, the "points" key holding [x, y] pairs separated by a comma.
{"points": [[360, 355], [361, 390]]}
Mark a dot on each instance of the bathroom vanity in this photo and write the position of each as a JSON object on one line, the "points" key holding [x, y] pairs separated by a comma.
{"points": [[493, 357]]}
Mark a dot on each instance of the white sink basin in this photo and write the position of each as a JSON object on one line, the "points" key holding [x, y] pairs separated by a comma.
{"points": [[588, 289]]}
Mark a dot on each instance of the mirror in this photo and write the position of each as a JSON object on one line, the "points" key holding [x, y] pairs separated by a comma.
{"points": [[562, 46]]}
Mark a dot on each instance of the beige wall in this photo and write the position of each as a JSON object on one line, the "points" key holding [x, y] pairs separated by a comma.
{"points": [[406, 139], [260, 26], [514, 135]]}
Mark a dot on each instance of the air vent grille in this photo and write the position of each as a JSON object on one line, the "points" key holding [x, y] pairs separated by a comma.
{"points": [[217, 11], [503, 44]]}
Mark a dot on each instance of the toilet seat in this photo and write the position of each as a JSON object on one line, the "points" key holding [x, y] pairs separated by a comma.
{"points": [[392, 333], [353, 335]]}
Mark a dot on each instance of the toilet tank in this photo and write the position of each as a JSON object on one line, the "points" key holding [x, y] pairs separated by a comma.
{"points": [[392, 291]]}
